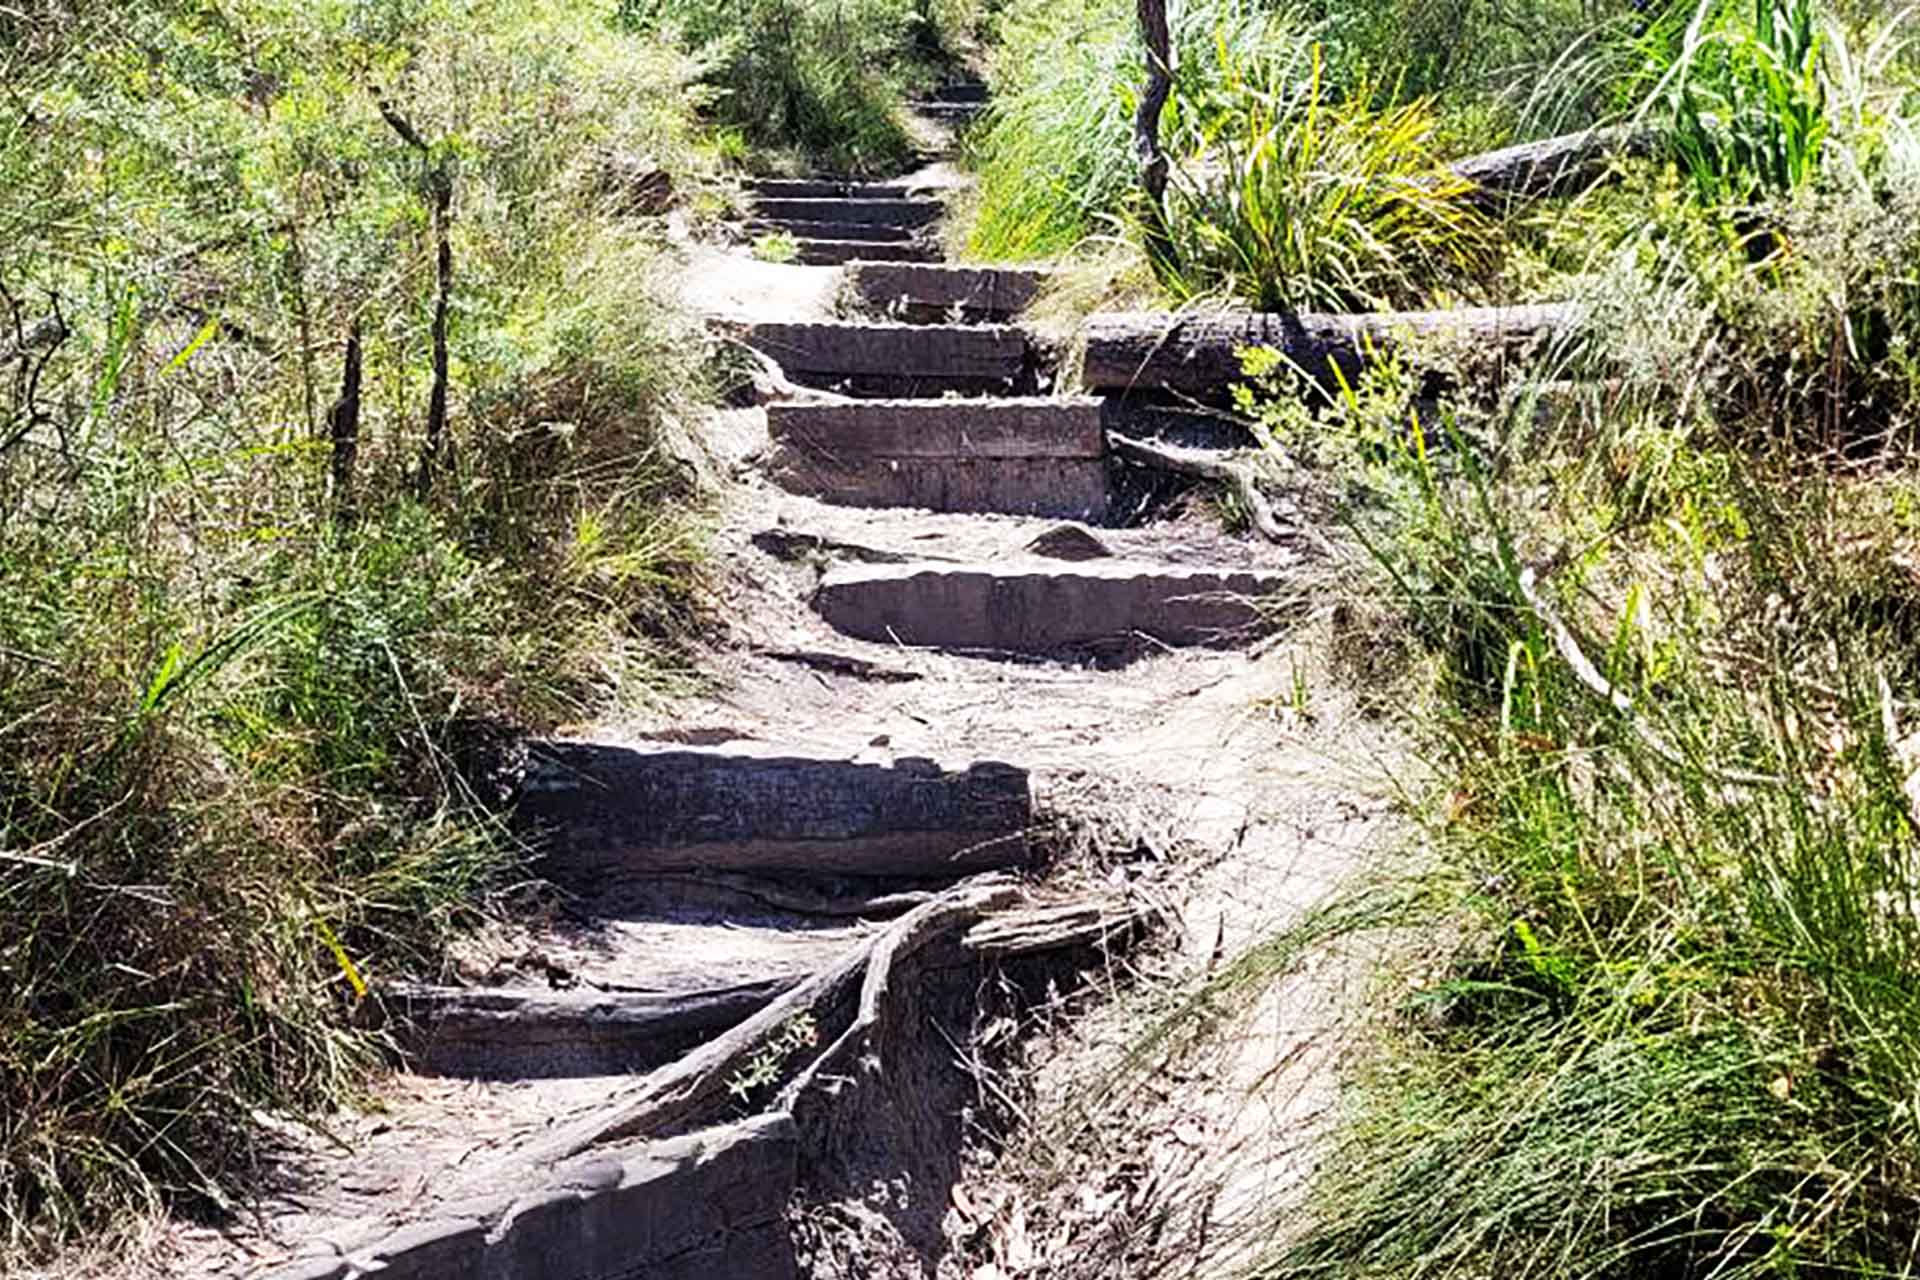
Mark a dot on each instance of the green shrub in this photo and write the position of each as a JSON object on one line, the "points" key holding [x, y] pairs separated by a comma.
{"points": [[822, 78], [1287, 197], [240, 706]]}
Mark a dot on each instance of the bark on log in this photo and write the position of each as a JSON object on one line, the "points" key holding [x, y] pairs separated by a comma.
{"points": [[1199, 354], [1551, 167]]}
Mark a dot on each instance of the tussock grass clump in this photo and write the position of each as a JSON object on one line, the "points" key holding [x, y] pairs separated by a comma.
{"points": [[1668, 611], [256, 661]]}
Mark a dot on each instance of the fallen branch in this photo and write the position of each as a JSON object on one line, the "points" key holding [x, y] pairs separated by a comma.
{"points": [[772, 386], [1058, 928], [693, 1091], [1589, 675], [1199, 465]]}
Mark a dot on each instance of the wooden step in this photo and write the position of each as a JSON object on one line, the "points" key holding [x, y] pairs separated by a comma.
{"points": [[889, 213], [1030, 457], [826, 189], [535, 1033], [641, 810], [869, 232], [961, 91], [930, 356], [937, 292], [834, 253], [950, 112], [1031, 427], [1056, 488], [1049, 607], [1199, 354]]}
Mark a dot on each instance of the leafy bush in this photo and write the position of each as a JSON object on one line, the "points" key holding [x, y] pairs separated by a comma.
{"points": [[819, 77], [242, 685]]}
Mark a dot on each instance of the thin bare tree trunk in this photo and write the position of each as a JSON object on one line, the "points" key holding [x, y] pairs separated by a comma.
{"points": [[343, 425], [1146, 126], [439, 183]]}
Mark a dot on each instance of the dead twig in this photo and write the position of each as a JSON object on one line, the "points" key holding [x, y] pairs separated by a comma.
{"points": [[1200, 465], [1589, 675]]}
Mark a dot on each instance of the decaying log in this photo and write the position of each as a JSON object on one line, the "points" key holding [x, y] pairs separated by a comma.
{"points": [[1059, 927], [1199, 354], [1551, 167], [693, 1091]]}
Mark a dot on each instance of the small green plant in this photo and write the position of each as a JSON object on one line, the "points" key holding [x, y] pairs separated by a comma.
{"points": [[797, 1033], [1747, 94], [776, 246]]}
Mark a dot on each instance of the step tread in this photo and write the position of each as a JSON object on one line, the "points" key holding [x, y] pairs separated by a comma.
{"points": [[893, 213], [865, 231], [937, 288], [833, 253]]}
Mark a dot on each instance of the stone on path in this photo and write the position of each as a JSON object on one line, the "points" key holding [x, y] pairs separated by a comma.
{"points": [[1048, 607], [1069, 542]]}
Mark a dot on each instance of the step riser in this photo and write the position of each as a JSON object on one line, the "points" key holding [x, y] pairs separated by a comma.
{"points": [[616, 809], [515, 1034], [805, 189], [1056, 488], [834, 253], [934, 293], [894, 352], [872, 232], [1068, 428], [890, 213], [1047, 611]]}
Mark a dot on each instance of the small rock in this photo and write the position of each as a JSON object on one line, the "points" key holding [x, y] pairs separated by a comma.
{"points": [[1069, 542]]}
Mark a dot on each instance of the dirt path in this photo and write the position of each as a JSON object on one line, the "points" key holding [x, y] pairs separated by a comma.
{"points": [[914, 717]]}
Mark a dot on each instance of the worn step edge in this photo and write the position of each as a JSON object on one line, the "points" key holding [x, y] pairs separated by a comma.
{"points": [[496, 1033], [835, 253], [708, 1204], [869, 232], [1048, 607]]}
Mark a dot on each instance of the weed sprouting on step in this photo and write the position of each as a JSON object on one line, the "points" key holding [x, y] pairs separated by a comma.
{"points": [[769, 1066]]}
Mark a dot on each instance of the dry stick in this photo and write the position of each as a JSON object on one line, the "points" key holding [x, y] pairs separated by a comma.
{"points": [[693, 1091], [1589, 675], [1200, 466], [778, 387], [439, 183]]}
